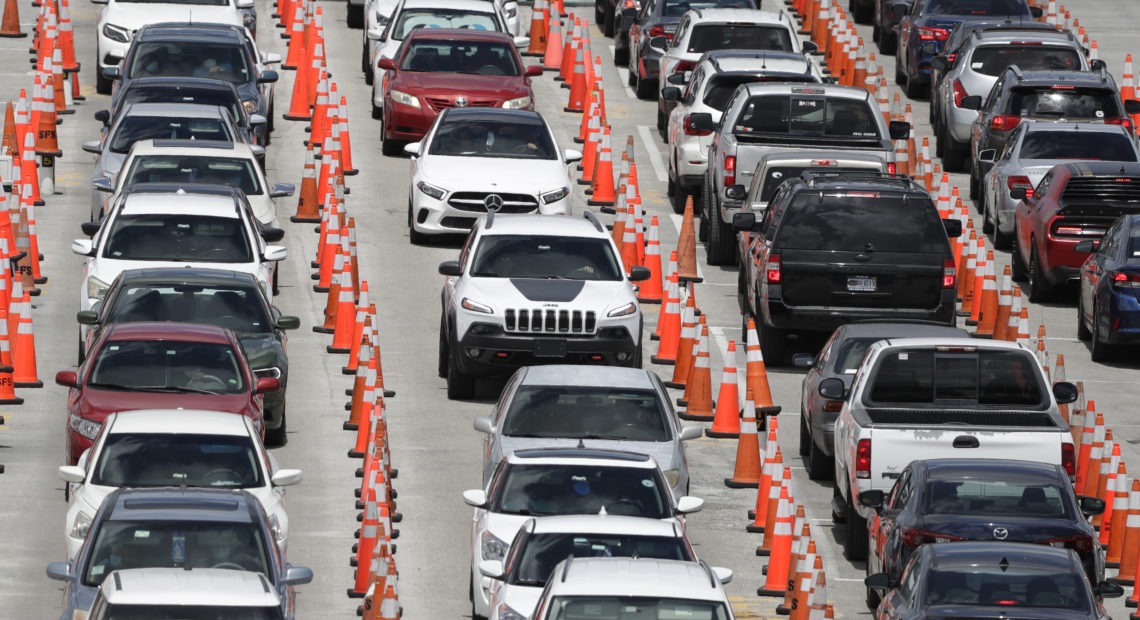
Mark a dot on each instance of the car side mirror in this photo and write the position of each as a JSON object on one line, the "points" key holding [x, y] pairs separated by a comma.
{"points": [[450, 268], [871, 499], [723, 575], [257, 119], [972, 102], [111, 73], [281, 190], [268, 76], [677, 79], [375, 35], [743, 221], [72, 473], [103, 116], [572, 155], [288, 322], [953, 227], [484, 425], [270, 58], [92, 146], [691, 431], [476, 498], [533, 71], [1035, 12], [521, 42], [414, 148], [701, 121], [1132, 106], [988, 156], [736, 192], [387, 64], [832, 389], [272, 235], [1088, 246], [1097, 64], [803, 360], [89, 228], [83, 247], [102, 184], [659, 42], [1090, 506], [809, 47], [1109, 589], [637, 273], [67, 378], [898, 10], [491, 569], [87, 317], [296, 576], [1065, 392], [669, 93], [267, 384], [879, 581], [1018, 193], [688, 504], [286, 477], [899, 130], [59, 571], [275, 253], [940, 63]]}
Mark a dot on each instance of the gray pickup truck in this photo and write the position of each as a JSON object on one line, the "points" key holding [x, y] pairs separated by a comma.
{"points": [[764, 117]]}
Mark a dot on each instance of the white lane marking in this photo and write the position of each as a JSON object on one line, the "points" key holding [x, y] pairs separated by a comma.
{"points": [[623, 75], [654, 155]]}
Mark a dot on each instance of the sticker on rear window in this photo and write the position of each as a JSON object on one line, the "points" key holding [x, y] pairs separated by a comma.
{"points": [[1100, 113]]}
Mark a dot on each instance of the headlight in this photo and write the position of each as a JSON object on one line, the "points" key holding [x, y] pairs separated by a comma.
{"points": [[672, 476], [555, 195], [250, 106], [492, 548], [81, 525], [83, 426], [431, 190], [506, 613], [272, 372], [474, 306], [96, 288], [625, 310], [115, 33], [521, 103], [404, 98]]}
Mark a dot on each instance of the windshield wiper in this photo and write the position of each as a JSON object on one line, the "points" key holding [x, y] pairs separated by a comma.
{"points": [[172, 388], [110, 386], [485, 274]]}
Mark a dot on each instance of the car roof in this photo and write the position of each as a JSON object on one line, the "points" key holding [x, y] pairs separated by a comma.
{"points": [[184, 332], [973, 467], [618, 525], [193, 148], [736, 15], [675, 579], [896, 329], [979, 343], [182, 31], [187, 275], [178, 202], [460, 34], [583, 375], [179, 586], [827, 90], [495, 115], [537, 224], [973, 553], [474, 6], [759, 61], [185, 110], [182, 504], [181, 421], [581, 456]]}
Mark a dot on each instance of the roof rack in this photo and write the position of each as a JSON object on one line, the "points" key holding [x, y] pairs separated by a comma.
{"points": [[589, 215], [566, 569]]}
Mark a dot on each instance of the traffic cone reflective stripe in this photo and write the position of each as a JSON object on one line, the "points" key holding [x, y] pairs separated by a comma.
{"points": [[698, 388], [650, 291], [727, 421], [748, 470], [777, 581], [1130, 551], [769, 448]]}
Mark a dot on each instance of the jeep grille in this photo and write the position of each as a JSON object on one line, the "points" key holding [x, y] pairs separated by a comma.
{"points": [[543, 321]]}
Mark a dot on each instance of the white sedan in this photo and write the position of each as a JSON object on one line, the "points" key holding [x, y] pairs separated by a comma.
{"points": [[475, 160], [169, 448]]}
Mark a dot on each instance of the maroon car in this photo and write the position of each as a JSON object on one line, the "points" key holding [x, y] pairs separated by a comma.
{"points": [[1072, 203], [439, 68], [159, 366]]}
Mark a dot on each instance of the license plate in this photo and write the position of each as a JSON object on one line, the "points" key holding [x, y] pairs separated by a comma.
{"points": [[549, 348], [861, 284]]}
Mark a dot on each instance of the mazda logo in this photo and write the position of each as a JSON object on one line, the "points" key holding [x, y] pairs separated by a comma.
{"points": [[1001, 533], [493, 202], [461, 102]]}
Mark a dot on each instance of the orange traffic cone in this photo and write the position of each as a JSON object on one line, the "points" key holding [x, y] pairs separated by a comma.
{"points": [[777, 581], [363, 393], [697, 400], [1092, 437], [686, 346], [769, 495], [603, 177], [988, 305], [983, 264], [361, 331], [801, 535], [1005, 304], [538, 28], [650, 291], [727, 423], [569, 53], [671, 286], [7, 384], [345, 313], [768, 454], [10, 27], [24, 373], [577, 101], [746, 474], [552, 57], [1107, 485], [756, 373], [670, 331], [1117, 523], [800, 581], [307, 203], [687, 247], [1130, 550]]}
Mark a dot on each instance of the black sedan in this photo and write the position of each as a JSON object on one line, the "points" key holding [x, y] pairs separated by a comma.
{"points": [[945, 500], [211, 296], [984, 580], [1108, 310], [839, 359]]}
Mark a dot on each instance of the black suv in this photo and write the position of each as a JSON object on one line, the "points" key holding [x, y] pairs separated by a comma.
{"points": [[1049, 95], [833, 248]]}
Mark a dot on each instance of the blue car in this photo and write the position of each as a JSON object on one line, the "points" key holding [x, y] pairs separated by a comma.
{"points": [[181, 528], [925, 25], [1108, 310]]}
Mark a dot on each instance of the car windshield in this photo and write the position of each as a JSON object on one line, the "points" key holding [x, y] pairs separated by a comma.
{"points": [[510, 139], [707, 37], [1007, 586], [544, 551], [925, 376], [1065, 102], [483, 58], [181, 95], [237, 172], [162, 460], [583, 412], [997, 498], [411, 19], [191, 59], [545, 257], [861, 221], [174, 544], [582, 489], [136, 127], [190, 612], [977, 7], [236, 307], [629, 607], [677, 8], [168, 365], [808, 115], [1077, 144], [993, 59], [178, 238]]}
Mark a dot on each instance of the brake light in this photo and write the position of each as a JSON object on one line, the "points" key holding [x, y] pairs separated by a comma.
{"points": [[1015, 182], [1062, 229], [690, 130], [863, 459], [833, 406], [1077, 543], [959, 93], [659, 31], [1126, 280], [684, 65], [950, 58], [1120, 120], [772, 269], [926, 33], [914, 537], [892, 169], [1069, 459], [949, 273], [730, 170], [1004, 122]]}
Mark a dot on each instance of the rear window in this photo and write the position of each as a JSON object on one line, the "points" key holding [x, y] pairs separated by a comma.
{"points": [[776, 175], [977, 7], [1064, 102], [979, 496], [845, 222], [1134, 244], [925, 376], [1077, 145], [707, 37], [993, 59], [721, 87], [1016, 587], [808, 115], [677, 8]]}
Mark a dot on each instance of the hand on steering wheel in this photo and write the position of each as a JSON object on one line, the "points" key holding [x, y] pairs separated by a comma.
{"points": [[205, 381]]}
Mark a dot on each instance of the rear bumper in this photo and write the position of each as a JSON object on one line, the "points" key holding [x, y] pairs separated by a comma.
{"points": [[826, 318], [1124, 319]]}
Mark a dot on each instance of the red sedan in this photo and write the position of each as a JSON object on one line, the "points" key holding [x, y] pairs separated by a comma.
{"points": [[439, 68], [159, 366]]}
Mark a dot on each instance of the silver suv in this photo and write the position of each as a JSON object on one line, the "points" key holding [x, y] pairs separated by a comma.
{"points": [[975, 68], [536, 289]]}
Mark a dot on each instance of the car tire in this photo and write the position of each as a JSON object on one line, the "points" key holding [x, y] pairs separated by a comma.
{"points": [[873, 599], [415, 236], [954, 153], [607, 23], [1039, 288], [836, 517], [79, 353], [1002, 241], [855, 543], [645, 88], [975, 187], [377, 112], [773, 344], [621, 59], [459, 385], [1083, 332], [391, 148], [1100, 351], [354, 16], [987, 221], [276, 437], [661, 121], [805, 436], [818, 464], [876, 33], [888, 41], [443, 361], [862, 14], [900, 77], [720, 249], [915, 90]]}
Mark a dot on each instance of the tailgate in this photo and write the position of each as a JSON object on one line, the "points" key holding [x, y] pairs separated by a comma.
{"points": [[823, 278]]}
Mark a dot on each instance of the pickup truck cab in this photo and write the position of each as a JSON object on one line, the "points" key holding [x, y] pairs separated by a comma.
{"points": [[929, 398]]}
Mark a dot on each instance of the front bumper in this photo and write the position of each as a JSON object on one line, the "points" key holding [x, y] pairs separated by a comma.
{"points": [[404, 122], [439, 217], [498, 353]]}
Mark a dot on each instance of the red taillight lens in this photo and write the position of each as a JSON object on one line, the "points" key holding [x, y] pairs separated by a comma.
{"points": [[833, 406], [684, 65], [914, 537], [1076, 543], [950, 58], [863, 459], [959, 93], [1069, 459], [1015, 182], [772, 269], [892, 169], [1004, 122], [1060, 228], [730, 171], [687, 124], [926, 33], [659, 31], [1122, 121], [1126, 280], [949, 273]]}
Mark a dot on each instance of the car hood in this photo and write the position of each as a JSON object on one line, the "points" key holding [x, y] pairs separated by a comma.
{"points": [[522, 599], [451, 84], [514, 175], [1019, 529], [662, 451], [134, 16], [511, 292], [97, 404]]}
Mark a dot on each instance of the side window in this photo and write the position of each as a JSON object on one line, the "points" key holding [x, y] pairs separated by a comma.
{"points": [[507, 394], [768, 226], [515, 551], [694, 86], [1111, 242], [824, 356], [647, 9], [1013, 142], [998, 87], [901, 492], [682, 31], [910, 579], [1043, 186]]}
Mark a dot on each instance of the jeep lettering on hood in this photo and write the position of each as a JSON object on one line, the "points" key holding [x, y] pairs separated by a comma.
{"points": [[548, 290]]}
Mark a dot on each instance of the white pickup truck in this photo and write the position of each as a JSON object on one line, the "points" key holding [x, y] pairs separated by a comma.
{"points": [[929, 398]]}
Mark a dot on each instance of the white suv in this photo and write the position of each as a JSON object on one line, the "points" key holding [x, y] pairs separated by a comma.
{"points": [[534, 289], [180, 592]]}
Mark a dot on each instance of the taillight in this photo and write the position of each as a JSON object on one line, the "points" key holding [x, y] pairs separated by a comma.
{"points": [[950, 58], [687, 124], [1077, 543], [730, 171], [833, 406], [1061, 228], [1069, 459], [949, 273], [659, 31], [684, 65], [863, 459], [926, 33], [959, 93], [914, 537], [1126, 280], [1120, 120], [772, 269], [892, 169], [1017, 181], [1004, 122]]}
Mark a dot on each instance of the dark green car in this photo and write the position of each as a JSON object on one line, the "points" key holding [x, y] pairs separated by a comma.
{"points": [[212, 296]]}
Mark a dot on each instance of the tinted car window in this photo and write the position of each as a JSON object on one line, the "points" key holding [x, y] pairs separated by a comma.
{"points": [[1014, 586], [191, 59], [1067, 102], [708, 37], [573, 412], [442, 18], [850, 222], [167, 95], [577, 607], [807, 115], [196, 612], [977, 7], [178, 238], [1077, 145], [545, 257], [993, 59], [154, 460], [493, 139], [544, 551], [237, 308], [172, 366], [850, 355], [134, 128], [582, 489], [986, 377], [231, 171], [981, 497], [460, 57], [1134, 243]]}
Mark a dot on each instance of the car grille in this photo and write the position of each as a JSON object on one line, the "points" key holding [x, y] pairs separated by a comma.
{"points": [[439, 103], [545, 321], [512, 203], [1114, 188]]}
